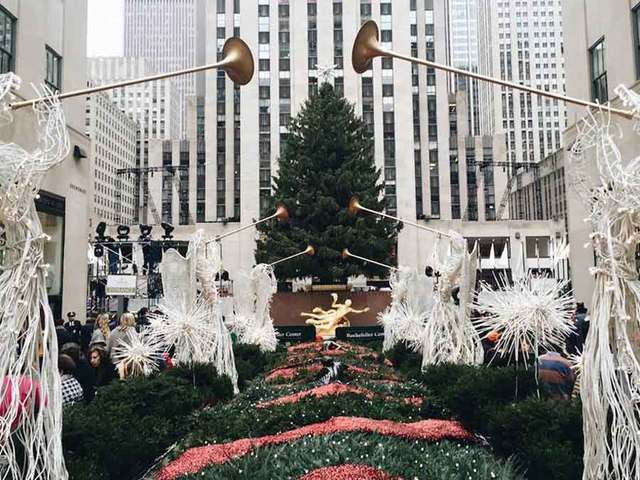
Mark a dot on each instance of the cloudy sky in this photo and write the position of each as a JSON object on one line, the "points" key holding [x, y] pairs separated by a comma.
{"points": [[105, 28]]}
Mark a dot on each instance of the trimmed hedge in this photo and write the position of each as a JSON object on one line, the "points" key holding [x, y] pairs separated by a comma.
{"points": [[544, 435], [250, 362], [131, 423], [501, 403]]}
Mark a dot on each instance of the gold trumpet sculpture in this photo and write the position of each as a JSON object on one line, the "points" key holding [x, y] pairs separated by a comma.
{"points": [[354, 207], [237, 62], [367, 46], [346, 254], [308, 251], [281, 214]]}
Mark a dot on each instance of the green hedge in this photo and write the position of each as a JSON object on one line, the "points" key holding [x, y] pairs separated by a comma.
{"points": [[544, 435], [131, 423], [501, 403], [251, 362]]}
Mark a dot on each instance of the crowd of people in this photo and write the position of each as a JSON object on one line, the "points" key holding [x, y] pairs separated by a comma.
{"points": [[87, 352], [87, 361]]}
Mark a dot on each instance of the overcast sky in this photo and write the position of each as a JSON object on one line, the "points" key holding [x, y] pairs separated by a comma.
{"points": [[105, 32]]}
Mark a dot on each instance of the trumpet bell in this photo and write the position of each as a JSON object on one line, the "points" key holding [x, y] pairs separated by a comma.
{"points": [[282, 213], [354, 206], [346, 253], [238, 61], [366, 47], [310, 251]]}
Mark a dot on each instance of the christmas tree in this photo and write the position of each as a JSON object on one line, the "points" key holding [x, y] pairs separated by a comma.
{"points": [[326, 160]]}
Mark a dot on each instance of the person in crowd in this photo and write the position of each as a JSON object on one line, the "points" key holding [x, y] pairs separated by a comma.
{"points": [[62, 333], [74, 327], [167, 358], [104, 370], [489, 344], [71, 388], [555, 375], [83, 371], [101, 332], [575, 340], [582, 324], [126, 329], [142, 320], [87, 332], [113, 323]]}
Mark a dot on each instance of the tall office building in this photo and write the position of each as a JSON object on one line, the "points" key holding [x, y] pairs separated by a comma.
{"points": [[170, 36], [154, 107], [520, 41], [434, 168], [113, 148], [471, 35], [529, 47]]}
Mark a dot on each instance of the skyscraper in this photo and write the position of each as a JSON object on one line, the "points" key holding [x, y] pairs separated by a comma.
{"points": [[154, 107], [471, 36], [434, 169], [113, 133], [169, 35], [530, 51]]}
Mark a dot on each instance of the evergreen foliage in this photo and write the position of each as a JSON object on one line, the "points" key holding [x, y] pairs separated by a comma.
{"points": [[327, 159]]}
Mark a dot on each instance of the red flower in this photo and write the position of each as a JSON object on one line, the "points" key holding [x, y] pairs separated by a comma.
{"points": [[348, 472], [332, 389], [287, 373], [195, 459]]}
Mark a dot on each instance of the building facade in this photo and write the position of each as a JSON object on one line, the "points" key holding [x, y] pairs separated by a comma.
{"points": [[154, 106], [540, 192], [434, 168], [45, 43], [601, 50], [472, 31], [170, 36], [529, 49], [113, 136]]}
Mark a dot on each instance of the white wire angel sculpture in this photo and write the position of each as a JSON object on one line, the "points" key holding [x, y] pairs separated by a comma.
{"points": [[610, 361], [529, 313], [252, 321], [411, 302], [191, 322], [449, 335], [31, 420]]}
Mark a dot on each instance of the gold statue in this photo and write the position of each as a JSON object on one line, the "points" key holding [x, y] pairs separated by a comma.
{"points": [[326, 321]]}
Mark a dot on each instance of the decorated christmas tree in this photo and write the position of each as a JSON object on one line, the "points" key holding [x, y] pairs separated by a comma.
{"points": [[327, 159]]}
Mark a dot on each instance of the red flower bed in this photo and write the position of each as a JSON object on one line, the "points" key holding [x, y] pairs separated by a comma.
{"points": [[195, 459], [348, 472], [303, 346], [289, 373], [331, 389]]}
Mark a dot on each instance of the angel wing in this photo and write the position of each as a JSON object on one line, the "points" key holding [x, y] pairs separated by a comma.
{"points": [[178, 279]]}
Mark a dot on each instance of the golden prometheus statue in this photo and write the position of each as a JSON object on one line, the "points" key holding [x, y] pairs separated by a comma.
{"points": [[326, 321]]}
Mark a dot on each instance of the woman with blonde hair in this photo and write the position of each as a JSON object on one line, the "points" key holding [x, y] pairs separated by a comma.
{"points": [[101, 331], [125, 330]]}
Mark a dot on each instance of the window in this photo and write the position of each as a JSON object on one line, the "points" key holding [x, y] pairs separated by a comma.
{"points": [[54, 69], [537, 247], [7, 40], [599, 89]]}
